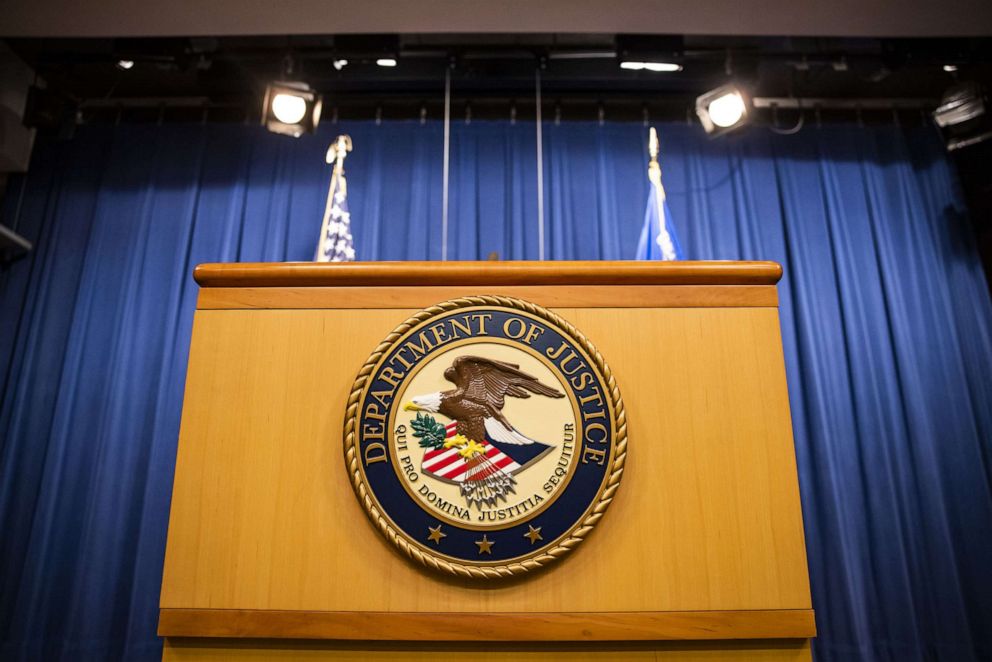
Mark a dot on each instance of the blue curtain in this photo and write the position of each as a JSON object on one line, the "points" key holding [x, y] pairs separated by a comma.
{"points": [[886, 321]]}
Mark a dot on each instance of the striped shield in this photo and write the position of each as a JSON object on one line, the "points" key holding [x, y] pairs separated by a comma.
{"points": [[447, 465]]}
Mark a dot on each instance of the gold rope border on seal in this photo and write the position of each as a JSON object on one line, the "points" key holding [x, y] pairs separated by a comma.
{"points": [[575, 535]]}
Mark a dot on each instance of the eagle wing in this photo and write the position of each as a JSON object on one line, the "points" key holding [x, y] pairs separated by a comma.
{"points": [[488, 382]]}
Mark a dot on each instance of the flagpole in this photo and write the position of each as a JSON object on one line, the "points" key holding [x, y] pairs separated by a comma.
{"points": [[654, 176], [336, 154], [540, 166], [444, 173]]}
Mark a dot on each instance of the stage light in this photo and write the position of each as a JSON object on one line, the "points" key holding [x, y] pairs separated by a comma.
{"points": [[723, 109], [386, 62], [291, 108], [950, 68], [963, 115], [727, 110], [340, 64], [960, 104], [125, 64], [661, 67]]}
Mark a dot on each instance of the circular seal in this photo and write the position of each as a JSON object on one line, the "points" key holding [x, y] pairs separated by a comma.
{"points": [[485, 436]]}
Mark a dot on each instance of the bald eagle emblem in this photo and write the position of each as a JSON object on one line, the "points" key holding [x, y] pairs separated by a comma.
{"points": [[479, 448]]}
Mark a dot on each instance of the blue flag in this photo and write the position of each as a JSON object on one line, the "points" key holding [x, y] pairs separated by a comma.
{"points": [[658, 240]]}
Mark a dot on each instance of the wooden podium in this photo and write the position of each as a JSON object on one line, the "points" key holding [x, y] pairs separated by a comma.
{"points": [[700, 556]]}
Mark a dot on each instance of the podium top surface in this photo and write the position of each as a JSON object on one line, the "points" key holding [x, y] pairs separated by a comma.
{"points": [[400, 274]]}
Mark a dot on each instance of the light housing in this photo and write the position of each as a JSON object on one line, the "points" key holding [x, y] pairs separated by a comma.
{"points": [[657, 67], [723, 109], [961, 103], [963, 115], [291, 108]]}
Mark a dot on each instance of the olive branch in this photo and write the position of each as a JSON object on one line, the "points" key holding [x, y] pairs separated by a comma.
{"points": [[428, 431]]}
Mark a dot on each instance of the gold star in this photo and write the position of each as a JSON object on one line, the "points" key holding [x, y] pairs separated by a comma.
{"points": [[485, 545], [435, 534], [533, 534]]}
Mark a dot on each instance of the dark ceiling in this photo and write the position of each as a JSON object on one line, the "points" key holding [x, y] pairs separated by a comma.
{"points": [[579, 73]]}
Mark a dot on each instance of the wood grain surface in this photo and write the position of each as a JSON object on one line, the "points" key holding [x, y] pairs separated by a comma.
{"points": [[407, 274], [420, 626], [234, 650], [576, 296], [707, 517]]}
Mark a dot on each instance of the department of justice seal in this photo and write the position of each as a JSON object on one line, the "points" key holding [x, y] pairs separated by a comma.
{"points": [[485, 437]]}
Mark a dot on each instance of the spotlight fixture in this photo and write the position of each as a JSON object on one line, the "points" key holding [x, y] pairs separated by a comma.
{"points": [[125, 64], [963, 115], [340, 64], [386, 62], [960, 104], [950, 68], [723, 109], [291, 108], [660, 67]]}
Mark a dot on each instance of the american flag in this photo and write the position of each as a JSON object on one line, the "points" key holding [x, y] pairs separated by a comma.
{"points": [[447, 464], [337, 244]]}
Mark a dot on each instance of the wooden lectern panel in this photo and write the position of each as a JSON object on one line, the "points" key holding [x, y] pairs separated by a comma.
{"points": [[185, 650], [704, 539]]}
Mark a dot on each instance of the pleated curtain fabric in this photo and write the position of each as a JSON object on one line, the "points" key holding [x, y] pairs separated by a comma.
{"points": [[886, 321]]}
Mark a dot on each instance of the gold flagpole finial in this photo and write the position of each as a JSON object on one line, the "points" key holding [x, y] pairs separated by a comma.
{"points": [[338, 151]]}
